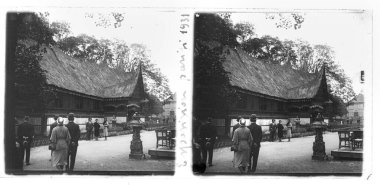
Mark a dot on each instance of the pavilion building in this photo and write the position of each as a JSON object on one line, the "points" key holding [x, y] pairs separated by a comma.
{"points": [[271, 91], [87, 90]]}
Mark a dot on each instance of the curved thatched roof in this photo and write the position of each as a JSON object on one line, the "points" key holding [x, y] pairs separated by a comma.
{"points": [[254, 75], [88, 78]]}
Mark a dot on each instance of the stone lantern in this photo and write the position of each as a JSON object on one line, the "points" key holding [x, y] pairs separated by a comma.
{"points": [[136, 143], [319, 152]]}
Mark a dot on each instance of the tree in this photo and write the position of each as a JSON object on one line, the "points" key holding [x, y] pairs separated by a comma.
{"points": [[154, 105], [107, 19], [213, 93], [286, 20], [60, 30], [33, 34], [27, 33], [155, 82], [244, 31]]}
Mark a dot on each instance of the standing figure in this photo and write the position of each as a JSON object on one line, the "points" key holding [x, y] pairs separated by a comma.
{"points": [[89, 128], [242, 140], [60, 138], [280, 130], [272, 130], [198, 166], [289, 130], [257, 135], [113, 120], [208, 137], [96, 129], [237, 125], [52, 126], [73, 147], [105, 130], [25, 133]]}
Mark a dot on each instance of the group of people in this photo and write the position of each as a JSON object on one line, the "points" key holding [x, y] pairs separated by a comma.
{"points": [[246, 145], [64, 143], [279, 129], [96, 127]]}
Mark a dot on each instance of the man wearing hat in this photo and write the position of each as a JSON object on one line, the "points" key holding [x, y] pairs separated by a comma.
{"points": [[73, 146], [25, 133], [256, 133], [207, 136]]}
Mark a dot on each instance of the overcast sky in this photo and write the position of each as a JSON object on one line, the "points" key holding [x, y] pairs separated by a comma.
{"points": [[349, 33]]}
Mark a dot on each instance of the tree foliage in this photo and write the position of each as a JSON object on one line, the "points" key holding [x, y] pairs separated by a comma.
{"points": [[286, 20], [119, 55], [33, 34], [212, 91]]}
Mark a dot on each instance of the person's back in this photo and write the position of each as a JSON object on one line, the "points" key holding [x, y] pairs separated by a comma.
{"points": [[208, 137], [256, 132], [25, 134], [74, 132], [75, 135], [208, 131]]}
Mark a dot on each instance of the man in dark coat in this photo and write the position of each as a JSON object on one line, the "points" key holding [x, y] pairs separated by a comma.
{"points": [[280, 130], [96, 129], [73, 146], [25, 133], [52, 126], [272, 130], [198, 165], [89, 128], [256, 133], [207, 140]]}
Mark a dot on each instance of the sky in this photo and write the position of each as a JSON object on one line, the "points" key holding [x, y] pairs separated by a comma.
{"points": [[154, 29], [349, 33]]}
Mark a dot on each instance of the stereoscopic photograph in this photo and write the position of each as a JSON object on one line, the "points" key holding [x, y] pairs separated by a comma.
{"points": [[280, 93], [90, 92]]}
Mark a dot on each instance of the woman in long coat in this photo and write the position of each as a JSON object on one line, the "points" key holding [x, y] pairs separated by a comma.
{"points": [[105, 131], [242, 140], [60, 137], [289, 130]]}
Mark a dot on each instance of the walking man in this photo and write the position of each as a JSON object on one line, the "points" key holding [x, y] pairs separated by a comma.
{"points": [[25, 133], [89, 128], [280, 130], [256, 133], [75, 135], [54, 124], [272, 130], [207, 139]]}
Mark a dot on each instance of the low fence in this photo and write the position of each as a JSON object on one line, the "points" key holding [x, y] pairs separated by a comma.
{"points": [[226, 142], [116, 131]]}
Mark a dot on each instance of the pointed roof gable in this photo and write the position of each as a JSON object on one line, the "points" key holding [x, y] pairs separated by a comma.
{"points": [[92, 79], [274, 80]]}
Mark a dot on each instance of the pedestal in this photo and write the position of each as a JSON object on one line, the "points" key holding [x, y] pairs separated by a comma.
{"points": [[319, 145], [136, 144]]}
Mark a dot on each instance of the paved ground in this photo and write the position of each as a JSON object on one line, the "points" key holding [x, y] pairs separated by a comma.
{"points": [[289, 157], [110, 155]]}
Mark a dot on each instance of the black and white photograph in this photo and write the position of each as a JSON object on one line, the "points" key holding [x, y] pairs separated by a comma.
{"points": [[90, 91], [281, 93]]}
